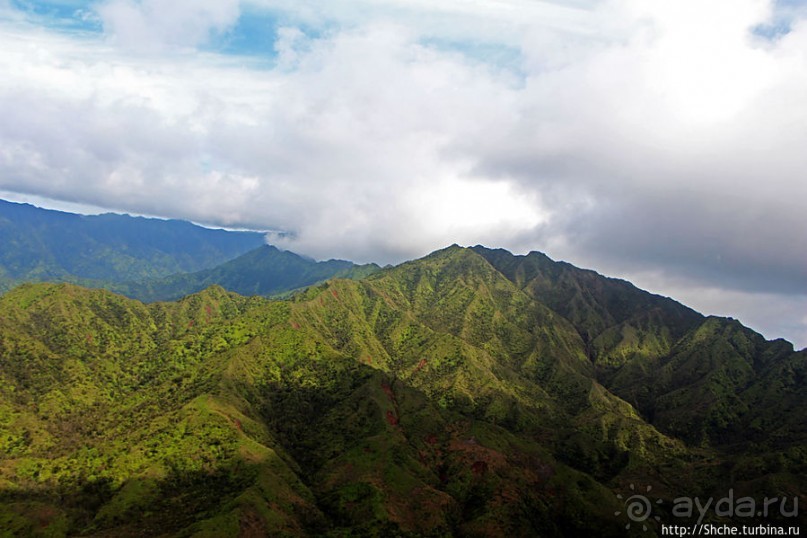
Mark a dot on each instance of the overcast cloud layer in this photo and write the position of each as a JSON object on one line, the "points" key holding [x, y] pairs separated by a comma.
{"points": [[660, 141]]}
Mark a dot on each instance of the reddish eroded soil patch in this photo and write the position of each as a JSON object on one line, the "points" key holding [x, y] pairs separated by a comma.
{"points": [[334, 293], [349, 469], [43, 515], [190, 324], [432, 454], [543, 472], [534, 469], [420, 365], [252, 525], [477, 457], [208, 311], [392, 419], [443, 475], [479, 468], [388, 391], [295, 325], [422, 510], [238, 424]]}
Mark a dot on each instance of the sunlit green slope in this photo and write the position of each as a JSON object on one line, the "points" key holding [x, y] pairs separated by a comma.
{"points": [[443, 397]]}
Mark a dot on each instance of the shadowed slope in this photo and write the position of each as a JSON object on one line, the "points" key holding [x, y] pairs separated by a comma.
{"points": [[440, 397], [266, 270]]}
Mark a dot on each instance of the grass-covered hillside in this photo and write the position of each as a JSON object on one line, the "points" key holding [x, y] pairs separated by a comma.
{"points": [[469, 393]]}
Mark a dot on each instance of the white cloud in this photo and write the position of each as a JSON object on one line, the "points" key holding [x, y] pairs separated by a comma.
{"points": [[627, 135], [348, 145], [499, 21], [153, 26]]}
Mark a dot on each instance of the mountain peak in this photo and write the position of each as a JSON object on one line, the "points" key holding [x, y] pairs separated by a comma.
{"points": [[408, 403]]}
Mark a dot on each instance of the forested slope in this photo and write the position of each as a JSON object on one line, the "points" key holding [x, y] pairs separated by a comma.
{"points": [[443, 397]]}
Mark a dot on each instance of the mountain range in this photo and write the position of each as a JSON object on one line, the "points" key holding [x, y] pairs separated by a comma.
{"points": [[265, 270], [149, 259], [472, 392]]}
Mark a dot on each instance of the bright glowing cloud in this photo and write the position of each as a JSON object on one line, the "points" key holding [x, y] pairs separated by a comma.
{"points": [[633, 136]]}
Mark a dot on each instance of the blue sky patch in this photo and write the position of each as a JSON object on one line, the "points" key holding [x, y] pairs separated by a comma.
{"points": [[254, 34], [61, 14]]}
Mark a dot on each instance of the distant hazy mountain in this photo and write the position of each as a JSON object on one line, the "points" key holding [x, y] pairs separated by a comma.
{"points": [[468, 393], [266, 270], [149, 259], [38, 245]]}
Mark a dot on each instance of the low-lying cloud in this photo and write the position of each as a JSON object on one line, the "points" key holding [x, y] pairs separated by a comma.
{"points": [[637, 137]]}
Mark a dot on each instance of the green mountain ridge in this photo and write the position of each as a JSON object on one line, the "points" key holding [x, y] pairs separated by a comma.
{"points": [[468, 393], [150, 259], [96, 250], [265, 270]]}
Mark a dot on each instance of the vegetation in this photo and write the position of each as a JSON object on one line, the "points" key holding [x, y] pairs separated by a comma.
{"points": [[469, 393], [150, 259], [98, 250], [265, 270]]}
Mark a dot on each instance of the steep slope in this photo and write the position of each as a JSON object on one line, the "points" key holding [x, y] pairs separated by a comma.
{"points": [[618, 321], [708, 389], [266, 270], [456, 329], [696, 378], [41, 245], [113, 418], [437, 398], [224, 415]]}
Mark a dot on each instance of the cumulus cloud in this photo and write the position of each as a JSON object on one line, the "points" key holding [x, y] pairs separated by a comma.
{"points": [[686, 135], [152, 25], [638, 137]]}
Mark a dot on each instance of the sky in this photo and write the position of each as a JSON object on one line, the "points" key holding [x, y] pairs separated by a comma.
{"points": [[657, 141]]}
